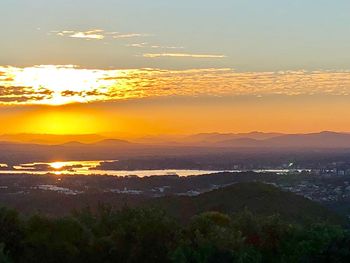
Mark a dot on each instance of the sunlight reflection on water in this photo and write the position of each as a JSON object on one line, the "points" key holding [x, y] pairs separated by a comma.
{"points": [[93, 168]]}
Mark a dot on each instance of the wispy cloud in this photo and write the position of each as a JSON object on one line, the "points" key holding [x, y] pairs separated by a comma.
{"points": [[181, 55], [138, 45], [131, 35], [166, 47], [96, 34], [16, 95], [100, 34], [147, 45], [67, 84]]}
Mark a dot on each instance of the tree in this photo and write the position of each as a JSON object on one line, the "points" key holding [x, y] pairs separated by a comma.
{"points": [[11, 232]]}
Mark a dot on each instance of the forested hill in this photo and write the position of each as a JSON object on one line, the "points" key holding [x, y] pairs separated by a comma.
{"points": [[262, 199]]}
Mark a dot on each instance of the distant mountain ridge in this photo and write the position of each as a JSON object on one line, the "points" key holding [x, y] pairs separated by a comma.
{"points": [[50, 139], [218, 137], [325, 139]]}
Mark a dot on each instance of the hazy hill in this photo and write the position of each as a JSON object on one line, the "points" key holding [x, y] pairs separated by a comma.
{"points": [[259, 198], [111, 143], [51, 138], [210, 138], [312, 140], [16, 152], [324, 139], [202, 139]]}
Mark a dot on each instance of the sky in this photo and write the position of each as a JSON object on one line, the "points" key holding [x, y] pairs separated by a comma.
{"points": [[174, 67]]}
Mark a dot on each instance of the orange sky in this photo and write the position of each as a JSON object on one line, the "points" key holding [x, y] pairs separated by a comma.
{"points": [[70, 100], [183, 115]]}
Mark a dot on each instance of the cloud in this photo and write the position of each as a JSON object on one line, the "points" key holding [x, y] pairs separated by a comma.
{"points": [[15, 94], [147, 45], [166, 47], [96, 34], [181, 55], [131, 35], [69, 84], [100, 34], [138, 45], [88, 35]]}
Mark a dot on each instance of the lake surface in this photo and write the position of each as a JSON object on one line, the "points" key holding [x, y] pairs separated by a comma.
{"points": [[92, 168]]}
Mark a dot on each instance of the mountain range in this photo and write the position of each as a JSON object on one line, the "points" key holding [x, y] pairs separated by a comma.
{"points": [[324, 139], [79, 149]]}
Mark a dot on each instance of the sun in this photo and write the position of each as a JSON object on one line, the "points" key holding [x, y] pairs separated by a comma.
{"points": [[57, 165], [64, 120]]}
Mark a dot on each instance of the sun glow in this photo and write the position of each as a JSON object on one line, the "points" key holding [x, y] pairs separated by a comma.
{"points": [[57, 165], [57, 85], [63, 121], [63, 84]]}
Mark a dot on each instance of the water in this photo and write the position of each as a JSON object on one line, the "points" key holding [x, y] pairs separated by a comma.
{"points": [[92, 168], [89, 168]]}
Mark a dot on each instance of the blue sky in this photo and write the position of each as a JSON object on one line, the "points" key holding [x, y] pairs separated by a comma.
{"points": [[269, 35]]}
